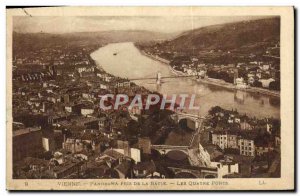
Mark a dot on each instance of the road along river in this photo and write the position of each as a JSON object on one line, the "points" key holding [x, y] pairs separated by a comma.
{"points": [[125, 60]]}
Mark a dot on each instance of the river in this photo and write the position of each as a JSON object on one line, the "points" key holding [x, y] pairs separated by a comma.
{"points": [[129, 62]]}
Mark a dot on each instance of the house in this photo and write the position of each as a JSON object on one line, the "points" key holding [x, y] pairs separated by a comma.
{"points": [[246, 145], [106, 77], [135, 110], [245, 126], [144, 144], [230, 120], [74, 108], [258, 75], [226, 166], [237, 120], [66, 169], [56, 118], [124, 169], [87, 96], [263, 146], [265, 67], [263, 149], [113, 157], [54, 98], [27, 142], [214, 151], [240, 83], [86, 74], [225, 139], [145, 169], [103, 86], [48, 143], [266, 82], [125, 151], [73, 145], [103, 122], [87, 110], [277, 140], [81, 69], [204, 155], [81, 156], [58, 158], [30, 167], [124, 84]]}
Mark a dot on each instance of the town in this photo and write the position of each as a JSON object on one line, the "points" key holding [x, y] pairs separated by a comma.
{"points": [[241, 72], [250, 64], [60, 131]]}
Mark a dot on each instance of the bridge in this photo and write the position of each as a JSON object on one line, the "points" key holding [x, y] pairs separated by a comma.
{"points": [[164, 149], [178, 116], [163, 77], [159, 77], [190, 151], [194, 172], [198, 168]]}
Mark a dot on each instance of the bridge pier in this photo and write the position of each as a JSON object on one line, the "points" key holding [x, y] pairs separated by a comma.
{"points": [[158, 78]]}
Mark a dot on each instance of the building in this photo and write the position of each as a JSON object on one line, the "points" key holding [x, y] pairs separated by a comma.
{"points": [[246, 146], [145, 170], [225, 139], [35, 168], [261, 150], [48, 143], [226, 167], [231, 140], [240, 83], [27, 142], [73, 145], [145, 145], [66, 169], [266, 82], [103, 122], [245, 125], [124, 145], [87, 110], [204, 155], [277, 140], [263, 147], [124, 148], [85, 69], [124, 84], [74, 108]]}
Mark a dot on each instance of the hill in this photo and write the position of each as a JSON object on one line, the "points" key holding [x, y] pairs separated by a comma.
{"points": [[251, 33], [37, 40]]}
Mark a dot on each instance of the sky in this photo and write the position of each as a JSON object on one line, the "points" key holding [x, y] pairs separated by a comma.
{"points": [[69, 24]]}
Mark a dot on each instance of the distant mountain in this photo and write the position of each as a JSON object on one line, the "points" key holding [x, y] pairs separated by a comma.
{"points": [[250, 33], [33, 40], [124, 36]]}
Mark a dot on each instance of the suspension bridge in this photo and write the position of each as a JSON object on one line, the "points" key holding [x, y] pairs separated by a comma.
{"points": [[158, 78]]}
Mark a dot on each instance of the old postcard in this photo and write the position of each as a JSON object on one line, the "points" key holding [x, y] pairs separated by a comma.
{"points": [[150, 98]]}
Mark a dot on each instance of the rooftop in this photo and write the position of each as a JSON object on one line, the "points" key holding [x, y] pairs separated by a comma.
{"points": [[26, 130]]}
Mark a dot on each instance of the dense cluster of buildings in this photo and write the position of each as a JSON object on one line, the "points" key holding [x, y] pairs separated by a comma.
{"points": [[242, 70], [59, 130], [242, 136]]}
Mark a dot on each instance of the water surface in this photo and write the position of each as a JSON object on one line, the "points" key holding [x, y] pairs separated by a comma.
{"points": [[130, 63]]}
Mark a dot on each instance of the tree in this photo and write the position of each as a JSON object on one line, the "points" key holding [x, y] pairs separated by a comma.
{"points": [[275, 85], [257, 83], [214, 110]]}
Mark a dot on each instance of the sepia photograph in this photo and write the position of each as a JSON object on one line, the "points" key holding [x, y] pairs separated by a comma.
{"points": [[143, 98]]}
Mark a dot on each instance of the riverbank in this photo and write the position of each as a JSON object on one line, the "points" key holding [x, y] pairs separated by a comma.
{"points": [[216, 82], [165, 61]]}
